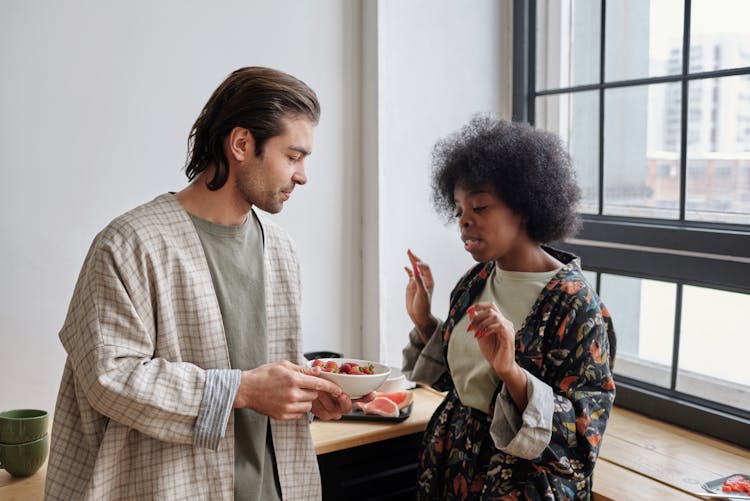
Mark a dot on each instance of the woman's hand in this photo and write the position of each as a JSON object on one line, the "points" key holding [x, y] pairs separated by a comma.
{"points": [[495, 335], [419, 297], [497, 341]]}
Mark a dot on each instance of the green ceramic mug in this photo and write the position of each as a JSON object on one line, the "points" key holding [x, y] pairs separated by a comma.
{"points": [[18, 426], [22, 460]]}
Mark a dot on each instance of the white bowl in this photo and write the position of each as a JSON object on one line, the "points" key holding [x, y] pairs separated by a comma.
{"points": [[356, 385], [395, 382]]}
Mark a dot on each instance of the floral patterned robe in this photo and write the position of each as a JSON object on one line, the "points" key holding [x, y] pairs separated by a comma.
{"points": [[565, 342]]}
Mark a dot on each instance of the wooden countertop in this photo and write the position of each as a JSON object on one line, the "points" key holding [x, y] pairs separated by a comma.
{"points": [[23, 489], [641, 458], [330, 436], [327, 436]]}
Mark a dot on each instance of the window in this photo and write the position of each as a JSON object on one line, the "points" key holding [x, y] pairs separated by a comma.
{"points": [[652, 98]]}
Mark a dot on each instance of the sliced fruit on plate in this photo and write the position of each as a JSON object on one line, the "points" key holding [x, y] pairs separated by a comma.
{"points": [[736, 483], [360, 405], [401, 398], [382, 406]]}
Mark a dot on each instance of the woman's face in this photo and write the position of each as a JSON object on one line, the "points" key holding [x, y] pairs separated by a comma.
{"points": [[490, 230]]}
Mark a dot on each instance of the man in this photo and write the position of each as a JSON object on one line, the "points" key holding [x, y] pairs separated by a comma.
{"points": [[180, 305]]}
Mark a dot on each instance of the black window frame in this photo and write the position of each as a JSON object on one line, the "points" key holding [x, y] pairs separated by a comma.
{"points": [[682, 252]]}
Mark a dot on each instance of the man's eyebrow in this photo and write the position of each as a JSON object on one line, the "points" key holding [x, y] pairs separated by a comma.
{"points": [[302, 150]]}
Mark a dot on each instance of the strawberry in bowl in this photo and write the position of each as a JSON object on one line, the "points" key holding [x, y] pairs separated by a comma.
{"points": [[356, 377]]}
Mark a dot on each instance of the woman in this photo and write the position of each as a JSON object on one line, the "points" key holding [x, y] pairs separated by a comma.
{"points": [[524, 353]]}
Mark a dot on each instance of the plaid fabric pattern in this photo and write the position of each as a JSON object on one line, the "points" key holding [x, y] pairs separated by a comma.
{"points": [[142, 329]]}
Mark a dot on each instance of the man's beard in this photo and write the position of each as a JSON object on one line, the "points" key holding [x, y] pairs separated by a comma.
{"points": [[268, 202]]}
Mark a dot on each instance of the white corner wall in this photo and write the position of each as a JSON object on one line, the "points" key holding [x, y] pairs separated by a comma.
{"points": [[439, 63], [97, 100]]}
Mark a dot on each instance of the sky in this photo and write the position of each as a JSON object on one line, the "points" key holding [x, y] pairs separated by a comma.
{"points": [[707, 16]]}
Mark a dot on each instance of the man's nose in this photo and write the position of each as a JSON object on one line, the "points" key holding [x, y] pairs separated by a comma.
{"points": [[299, 176]]}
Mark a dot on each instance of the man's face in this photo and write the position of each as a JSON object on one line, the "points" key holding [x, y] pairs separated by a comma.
{"points": [[267, 181]]}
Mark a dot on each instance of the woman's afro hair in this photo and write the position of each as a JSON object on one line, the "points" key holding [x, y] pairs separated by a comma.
{"points": [[529, 169]]}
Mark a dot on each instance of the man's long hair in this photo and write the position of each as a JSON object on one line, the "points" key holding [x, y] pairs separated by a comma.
{"points": [[255, 98]]}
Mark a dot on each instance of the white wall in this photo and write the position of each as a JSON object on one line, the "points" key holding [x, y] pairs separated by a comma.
{"points": [[97, 99], [439, 63]]}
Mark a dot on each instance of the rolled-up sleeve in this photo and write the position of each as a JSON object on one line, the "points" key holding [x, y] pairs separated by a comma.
{"points": [[424, 363], [524, 434], [218, 398]]}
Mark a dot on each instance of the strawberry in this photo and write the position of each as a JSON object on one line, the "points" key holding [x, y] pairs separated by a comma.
{"points": [[346, 368]]}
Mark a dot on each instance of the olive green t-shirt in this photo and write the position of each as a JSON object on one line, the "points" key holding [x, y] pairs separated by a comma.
{"points": [[235, 260], [514, 293]]}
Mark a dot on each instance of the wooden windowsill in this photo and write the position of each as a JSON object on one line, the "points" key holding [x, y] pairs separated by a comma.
{"points": [[643, 458]]}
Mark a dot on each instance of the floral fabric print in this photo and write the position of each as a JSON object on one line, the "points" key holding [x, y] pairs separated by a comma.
{"points": [[565, 342]]}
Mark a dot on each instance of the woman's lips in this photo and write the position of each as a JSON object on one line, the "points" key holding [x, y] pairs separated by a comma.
{"points": [[471, 244]]}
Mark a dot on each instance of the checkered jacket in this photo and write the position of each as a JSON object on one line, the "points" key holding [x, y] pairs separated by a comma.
{"points": [[142, 329]]}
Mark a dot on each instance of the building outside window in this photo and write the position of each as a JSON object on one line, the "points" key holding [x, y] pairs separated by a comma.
{"points": [[652, 98]]}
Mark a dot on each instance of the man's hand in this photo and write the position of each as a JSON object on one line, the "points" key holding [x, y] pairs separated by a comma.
{"points": [[328, 407], [283, 390]]}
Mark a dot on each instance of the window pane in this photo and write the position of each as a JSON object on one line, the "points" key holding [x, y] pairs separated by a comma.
{"points": [[719, 35], [718, 163], [643, 38], [590, 277], [641, 151], [714, 346], [567, 43], [575, 118], [643, 316]]}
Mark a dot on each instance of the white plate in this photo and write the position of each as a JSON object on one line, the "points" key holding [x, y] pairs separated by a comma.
{"points": [[715, 486]]}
